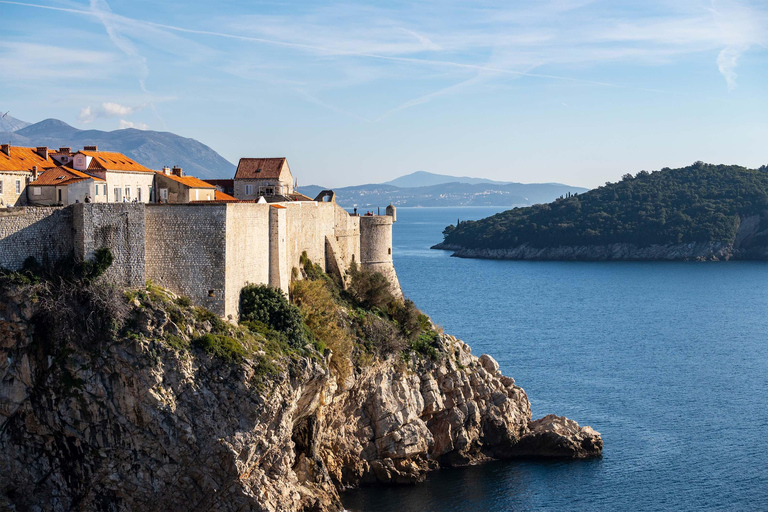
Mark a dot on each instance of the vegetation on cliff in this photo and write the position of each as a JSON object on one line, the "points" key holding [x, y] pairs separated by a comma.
{"points": [[698, 203]]}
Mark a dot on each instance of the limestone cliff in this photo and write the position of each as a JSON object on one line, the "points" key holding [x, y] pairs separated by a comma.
{"points": [[148, 421]]}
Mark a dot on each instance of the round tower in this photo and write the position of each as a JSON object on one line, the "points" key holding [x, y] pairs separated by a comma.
{"points": [[376, 247]]}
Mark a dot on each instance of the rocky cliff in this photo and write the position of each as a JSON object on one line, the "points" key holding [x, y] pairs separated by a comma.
{"points": [[750, 243], [93, 417]]}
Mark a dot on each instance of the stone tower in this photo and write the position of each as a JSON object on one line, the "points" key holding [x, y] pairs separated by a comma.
{"points": [[376, 247]]}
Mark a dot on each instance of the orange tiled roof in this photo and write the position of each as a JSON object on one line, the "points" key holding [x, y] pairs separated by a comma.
{"points": [[221, 196], [23, 159], [61, 176], [111, 161], [259, 168], [189, 181]]}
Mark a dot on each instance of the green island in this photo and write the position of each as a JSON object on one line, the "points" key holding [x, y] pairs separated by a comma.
{"points": [[702, 211]]}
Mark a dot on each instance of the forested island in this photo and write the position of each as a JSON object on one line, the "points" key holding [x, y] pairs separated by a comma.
{"points": [[699, 212]]}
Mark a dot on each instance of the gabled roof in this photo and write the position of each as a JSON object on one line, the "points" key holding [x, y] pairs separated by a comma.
{"points": [[23, 159], [111, 161], [221, 196], [61, 176], [259, 168], [189, 181]]}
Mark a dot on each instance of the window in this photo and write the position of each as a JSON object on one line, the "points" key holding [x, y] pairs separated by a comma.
{"points": [[149, 196], [270, 191], [18, 186], [36, 191], [105, 190], [138, 193], [1, 186], [197, 195], [248, 190], [118, 194], [164, 195], [127, 193], [97, 190]]}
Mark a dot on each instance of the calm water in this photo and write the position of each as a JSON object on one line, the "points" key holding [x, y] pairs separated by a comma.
{"points": [[669, 361]]}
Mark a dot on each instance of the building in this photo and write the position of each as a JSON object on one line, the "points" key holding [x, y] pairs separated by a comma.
{"points": [[16, 167], [226, 186], [126, 180], [270, 178], [173, 187], [62, 186]]}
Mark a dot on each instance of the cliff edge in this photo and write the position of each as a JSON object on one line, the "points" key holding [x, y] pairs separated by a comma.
{"points": [[137, 401]]}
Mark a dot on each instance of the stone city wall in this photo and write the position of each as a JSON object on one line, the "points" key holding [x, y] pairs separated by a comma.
{"points": [[44, 233], [186, 251]]}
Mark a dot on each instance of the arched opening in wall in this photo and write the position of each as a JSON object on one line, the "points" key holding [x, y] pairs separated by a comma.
{"points": [[389, 251]]}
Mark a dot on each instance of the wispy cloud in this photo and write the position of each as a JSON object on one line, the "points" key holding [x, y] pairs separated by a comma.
{"points": [[104, 111], [129, 124]]}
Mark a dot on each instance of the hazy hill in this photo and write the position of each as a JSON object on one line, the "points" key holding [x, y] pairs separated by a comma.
{"points": [[446, 194], [11, 124], [426, 179], [722, 208], [150, 148]]}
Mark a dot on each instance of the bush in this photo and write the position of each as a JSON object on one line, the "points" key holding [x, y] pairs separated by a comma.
{"points": [[381, 336], [224, 347], [426, 344], [269, 305], [369, 289], [322, 316]]}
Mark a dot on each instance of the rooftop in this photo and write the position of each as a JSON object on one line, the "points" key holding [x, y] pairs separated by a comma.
{"points": [[260, 168], [62, 176], [112, 161], [189, 181], [23, 159]]}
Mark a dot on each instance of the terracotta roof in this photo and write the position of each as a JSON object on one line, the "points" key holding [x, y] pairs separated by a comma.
{"points": [[111, 161], [259, 168], [221, 196], [189, 181], [225, 184], [61, 176], [23, 159], [299, 197]]}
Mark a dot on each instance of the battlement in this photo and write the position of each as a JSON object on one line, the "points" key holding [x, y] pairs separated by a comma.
{"points": [[205, 251]]}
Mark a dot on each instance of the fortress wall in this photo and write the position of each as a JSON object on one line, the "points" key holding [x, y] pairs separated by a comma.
{"points": [[347, 228], [186, 251], [121, 228], [247, 250], [42, 232], [307, 225]]}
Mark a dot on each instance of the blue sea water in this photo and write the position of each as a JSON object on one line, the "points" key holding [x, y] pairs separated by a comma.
{"points": [[669, 361]]}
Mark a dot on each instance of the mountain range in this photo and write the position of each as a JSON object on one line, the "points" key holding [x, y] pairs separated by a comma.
{"points": [[150, 148], [445, 191], [157, 149]]}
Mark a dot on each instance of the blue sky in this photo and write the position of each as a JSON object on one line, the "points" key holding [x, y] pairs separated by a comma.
{"points": [[573, 91]]}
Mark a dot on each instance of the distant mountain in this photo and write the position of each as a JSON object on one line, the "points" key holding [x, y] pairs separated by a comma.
{"points": [[426, 179], [150, 148], [11, 124], [447, 194]]}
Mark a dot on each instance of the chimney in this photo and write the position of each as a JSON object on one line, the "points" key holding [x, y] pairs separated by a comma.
{"points": [[177, 171], [42, 151], [90, 148], [65, 150], [6, 148], [166, 170], [34, 173]]}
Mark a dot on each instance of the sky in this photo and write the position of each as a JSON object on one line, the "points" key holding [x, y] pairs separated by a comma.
{"points": [[571, 91]]}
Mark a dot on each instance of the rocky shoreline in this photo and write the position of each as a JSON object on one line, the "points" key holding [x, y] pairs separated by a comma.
{"points": [[141, 425]]}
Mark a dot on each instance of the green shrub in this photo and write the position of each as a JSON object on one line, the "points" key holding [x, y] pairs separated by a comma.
{"points": [[183, 301], [218, 326], [370, 289], [270, 306], [426, 344], [224, 347]]}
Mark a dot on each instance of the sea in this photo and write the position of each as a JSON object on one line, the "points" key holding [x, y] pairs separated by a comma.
{"points": [[667, 360]]}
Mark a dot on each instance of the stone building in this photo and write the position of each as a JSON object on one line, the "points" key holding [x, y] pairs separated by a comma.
{"points": [[125, 180], [270, 178], [173, 187], [64, 186], [16, 167]]}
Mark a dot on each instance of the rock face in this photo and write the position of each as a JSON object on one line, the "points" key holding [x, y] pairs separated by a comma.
{"points": [[140, 425], [750, 243]]}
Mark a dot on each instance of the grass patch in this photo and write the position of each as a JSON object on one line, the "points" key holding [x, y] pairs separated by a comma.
{"points": [[224, 347]]}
